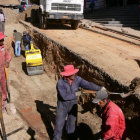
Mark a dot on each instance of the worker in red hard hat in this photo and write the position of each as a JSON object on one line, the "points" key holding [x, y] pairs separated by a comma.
{"points": [[4, 62], [113, 120], [67, 89]]}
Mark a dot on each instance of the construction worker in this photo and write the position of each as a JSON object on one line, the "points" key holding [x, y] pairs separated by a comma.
{"points": [[4, 62], [113, 121], [2, 21], [17, 38], [67, 88], [26, 40]]}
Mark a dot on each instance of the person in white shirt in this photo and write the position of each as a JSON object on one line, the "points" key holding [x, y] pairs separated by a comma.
{"points": [[2, 21]]}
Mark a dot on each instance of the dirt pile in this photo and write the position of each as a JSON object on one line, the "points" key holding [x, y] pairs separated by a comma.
{"points": [[12, 21], [9, 2], [135, 87], [11, 16]]}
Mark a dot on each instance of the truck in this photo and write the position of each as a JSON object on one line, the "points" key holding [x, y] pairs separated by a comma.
{"points": [[60, 11]]}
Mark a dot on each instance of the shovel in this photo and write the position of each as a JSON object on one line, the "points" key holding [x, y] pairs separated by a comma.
{"points": [[10, 108], [4, 137], [7, 84], [123, 95]]}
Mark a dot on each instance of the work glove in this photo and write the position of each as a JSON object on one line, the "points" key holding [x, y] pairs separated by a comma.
{"points": [[78, 93], [103, 89]]}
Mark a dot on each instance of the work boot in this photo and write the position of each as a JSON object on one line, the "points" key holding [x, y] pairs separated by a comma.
{"points": [[3, 110]]}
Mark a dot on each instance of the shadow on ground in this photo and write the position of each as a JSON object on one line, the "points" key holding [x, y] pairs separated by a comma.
{"points": [[47, 115], [23, 53], [24, 67], [138, 62], [133, 128], [31, 132], [84, 132]]}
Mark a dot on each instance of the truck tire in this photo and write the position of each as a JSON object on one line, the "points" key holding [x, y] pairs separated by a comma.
{"points": [[75, 24], [45, 23], [33, 13], [42, 22]]}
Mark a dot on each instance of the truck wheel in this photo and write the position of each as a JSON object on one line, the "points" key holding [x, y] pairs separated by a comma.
{"points": [[43, 22], [75, 24], [33, 13]]}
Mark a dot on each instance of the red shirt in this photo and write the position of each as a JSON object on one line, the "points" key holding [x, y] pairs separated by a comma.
{"points": [[4, 57], [113, 122]]}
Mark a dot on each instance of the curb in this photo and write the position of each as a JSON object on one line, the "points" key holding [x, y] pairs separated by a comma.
{"points": [[106, 34]]}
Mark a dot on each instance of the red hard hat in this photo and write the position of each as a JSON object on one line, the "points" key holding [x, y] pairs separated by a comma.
{"points": [[69, 70], [2, 36]]}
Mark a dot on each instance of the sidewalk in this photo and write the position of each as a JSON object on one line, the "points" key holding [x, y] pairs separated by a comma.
{"points": [[127, 29], [122, 33]]}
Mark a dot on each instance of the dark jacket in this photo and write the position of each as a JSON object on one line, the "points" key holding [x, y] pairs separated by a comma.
{"points": [[26, 39]]}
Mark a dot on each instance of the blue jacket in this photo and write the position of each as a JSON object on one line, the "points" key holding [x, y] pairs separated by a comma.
{"points": [[67, 92]]}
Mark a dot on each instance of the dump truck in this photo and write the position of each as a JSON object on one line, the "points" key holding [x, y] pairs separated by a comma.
{"points": [[61, 11]]}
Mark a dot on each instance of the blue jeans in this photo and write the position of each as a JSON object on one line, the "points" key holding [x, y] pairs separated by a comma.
{"points": [[17, 48], [65, 109], [27, 47]]}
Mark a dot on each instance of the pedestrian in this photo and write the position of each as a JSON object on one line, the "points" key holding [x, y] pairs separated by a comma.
{"points": [[17, 38], [2, 21], [113, 120], [67, 92], [26, 40], [5, 59]]}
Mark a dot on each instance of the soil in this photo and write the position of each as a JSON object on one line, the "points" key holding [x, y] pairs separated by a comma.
{"points": [[9, 2]]}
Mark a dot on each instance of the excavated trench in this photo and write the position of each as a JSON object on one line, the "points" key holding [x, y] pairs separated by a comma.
{"points": [[55, 56]]}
